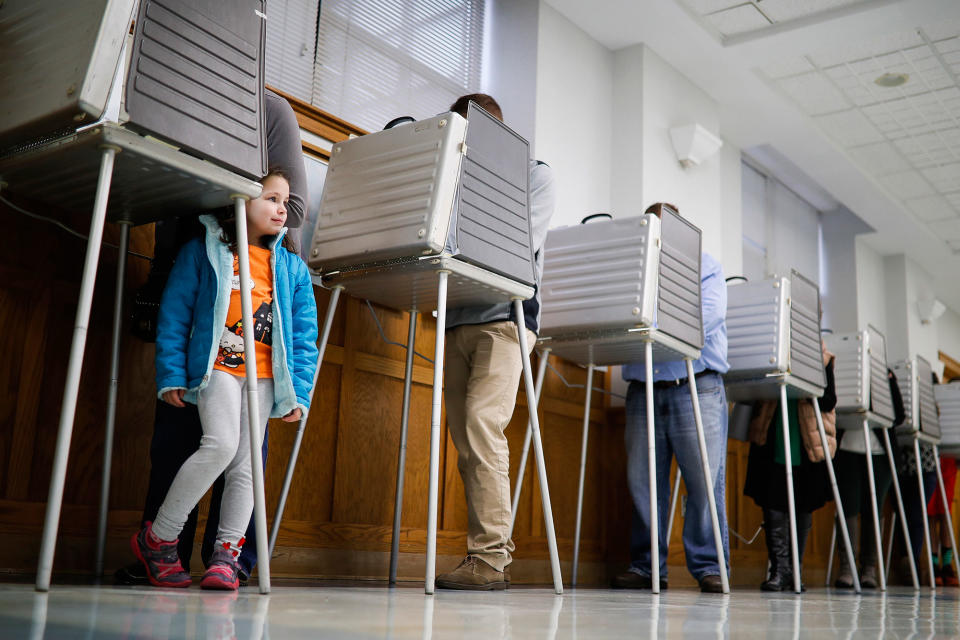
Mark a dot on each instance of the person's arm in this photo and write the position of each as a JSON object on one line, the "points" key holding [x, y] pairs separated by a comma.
{"points": [[285, 152], [304, 312], [713, 294], [543, 200], [828, 401], [174, 323]]}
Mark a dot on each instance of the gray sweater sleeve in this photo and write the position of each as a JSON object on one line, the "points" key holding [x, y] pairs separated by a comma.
{"points": [[285, 152]]}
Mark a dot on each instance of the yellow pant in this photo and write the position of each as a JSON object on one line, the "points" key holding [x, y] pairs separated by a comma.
{"points": [[481, 374]]}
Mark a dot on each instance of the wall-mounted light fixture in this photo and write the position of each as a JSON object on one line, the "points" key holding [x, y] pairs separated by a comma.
{"points": [[693, 144], [930, 309]]}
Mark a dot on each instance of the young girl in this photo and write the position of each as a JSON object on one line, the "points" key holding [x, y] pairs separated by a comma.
{"points": [[200, 359]]}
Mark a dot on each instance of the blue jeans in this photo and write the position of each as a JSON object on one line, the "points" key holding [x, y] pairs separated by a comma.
{"points": [[676, 435]]}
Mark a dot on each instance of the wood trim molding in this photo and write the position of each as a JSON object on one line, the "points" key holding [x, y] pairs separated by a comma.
{"points": [[320, 122], [951, 368]]}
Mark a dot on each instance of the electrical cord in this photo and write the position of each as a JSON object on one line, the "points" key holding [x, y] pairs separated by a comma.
{"points": [[72, 232], [384, 337], [570, 385]]}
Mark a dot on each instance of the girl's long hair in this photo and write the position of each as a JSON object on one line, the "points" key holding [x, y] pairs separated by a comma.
{"points": [[228, 220]]}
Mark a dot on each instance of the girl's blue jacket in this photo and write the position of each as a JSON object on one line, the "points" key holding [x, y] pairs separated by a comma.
{"points": [[193, 313]]}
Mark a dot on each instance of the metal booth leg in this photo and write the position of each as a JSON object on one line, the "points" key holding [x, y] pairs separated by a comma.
{"points": [[302, 425], [923, 506], [538, 448], [71, 388], [708, 478], [874, 508], [402, 453], [253, 400], [431, 569], [111, 399], [902, 513], [674, 498], [583, 472], [791, 504], [541, 372], [652, 468], [893, 531], [946, 509], [841, 517], [833, 548]]}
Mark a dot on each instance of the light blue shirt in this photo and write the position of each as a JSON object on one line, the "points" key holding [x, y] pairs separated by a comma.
{"points": [[713, 295]]}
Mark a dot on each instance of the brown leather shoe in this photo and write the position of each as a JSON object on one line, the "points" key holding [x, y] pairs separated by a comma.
{"points": [[633, 580], [473, 574], [711, 584]]}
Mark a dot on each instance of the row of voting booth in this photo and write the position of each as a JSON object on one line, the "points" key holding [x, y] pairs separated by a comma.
{"points": [[422, 217]]}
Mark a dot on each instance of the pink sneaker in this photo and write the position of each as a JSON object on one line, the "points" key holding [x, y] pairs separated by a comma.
{"points": [[160, 559], [222, 572]]}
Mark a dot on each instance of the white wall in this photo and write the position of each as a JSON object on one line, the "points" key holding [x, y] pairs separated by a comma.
{"points": [[574, 101], [731, 210], [671, 100], [871, 289], [948, 333], [510, 61]]}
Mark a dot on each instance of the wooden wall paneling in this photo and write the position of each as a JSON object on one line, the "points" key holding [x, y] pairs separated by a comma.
{"points": [[617, 504], [22, 336], [416, 476]]}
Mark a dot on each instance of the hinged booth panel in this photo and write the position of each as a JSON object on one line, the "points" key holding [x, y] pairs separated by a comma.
{"points": [[444, 185], [57, 63], [196, 79]]}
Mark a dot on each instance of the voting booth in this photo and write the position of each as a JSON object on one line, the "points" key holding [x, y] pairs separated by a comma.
{"points": [[921, 424], [619, 291], [774, 353], [948, 402], [865, 403], [134, 128], [425, 216]]}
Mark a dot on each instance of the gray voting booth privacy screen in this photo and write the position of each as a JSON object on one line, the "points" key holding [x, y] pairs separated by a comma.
{"points": [[861, 373], [57, 62], [439, 185], [773, 326], [948, 402], [195, 78], [640, 271], [492, 214], [915, 378]]}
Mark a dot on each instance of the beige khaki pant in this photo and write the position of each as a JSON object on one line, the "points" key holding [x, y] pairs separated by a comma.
{"points": [[481, 374]]}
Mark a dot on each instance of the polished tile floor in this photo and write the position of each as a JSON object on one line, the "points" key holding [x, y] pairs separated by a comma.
{"points": [[378, 612]]}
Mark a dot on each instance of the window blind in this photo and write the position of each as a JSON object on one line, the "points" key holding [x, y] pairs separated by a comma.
{"points": [[379, 59], [781, 230], [291, 47]]}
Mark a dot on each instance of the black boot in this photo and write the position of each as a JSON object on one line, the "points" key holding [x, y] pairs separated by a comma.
{"points": [[804, 524], [776, 528]]}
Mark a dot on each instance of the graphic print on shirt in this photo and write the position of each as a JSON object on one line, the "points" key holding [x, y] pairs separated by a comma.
{"points": [[230, 353]]}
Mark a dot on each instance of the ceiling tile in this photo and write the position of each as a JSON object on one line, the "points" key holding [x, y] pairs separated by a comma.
{"points": [[814, 93], [703, 7], [738, 20], [932, 208], [849, 128], [906, 185], [784, 10], [879, 159], [947, 229], [852, 51], [789, 67], [944, 178], [941, 30]]}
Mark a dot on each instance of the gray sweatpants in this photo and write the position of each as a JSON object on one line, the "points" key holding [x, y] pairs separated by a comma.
{"points": [[224, 448]]}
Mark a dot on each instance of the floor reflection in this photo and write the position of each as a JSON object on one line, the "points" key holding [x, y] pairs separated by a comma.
{"points": [[405, 612]]}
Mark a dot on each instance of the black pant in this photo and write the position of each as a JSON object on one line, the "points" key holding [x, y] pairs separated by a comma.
{"points": [[176, 436]]}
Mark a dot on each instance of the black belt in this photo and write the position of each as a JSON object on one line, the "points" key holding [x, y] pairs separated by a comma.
{"points": [[678, 382]]}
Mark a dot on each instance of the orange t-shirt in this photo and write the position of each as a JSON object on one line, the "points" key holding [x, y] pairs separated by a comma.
{"points": [[230, 355]]}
